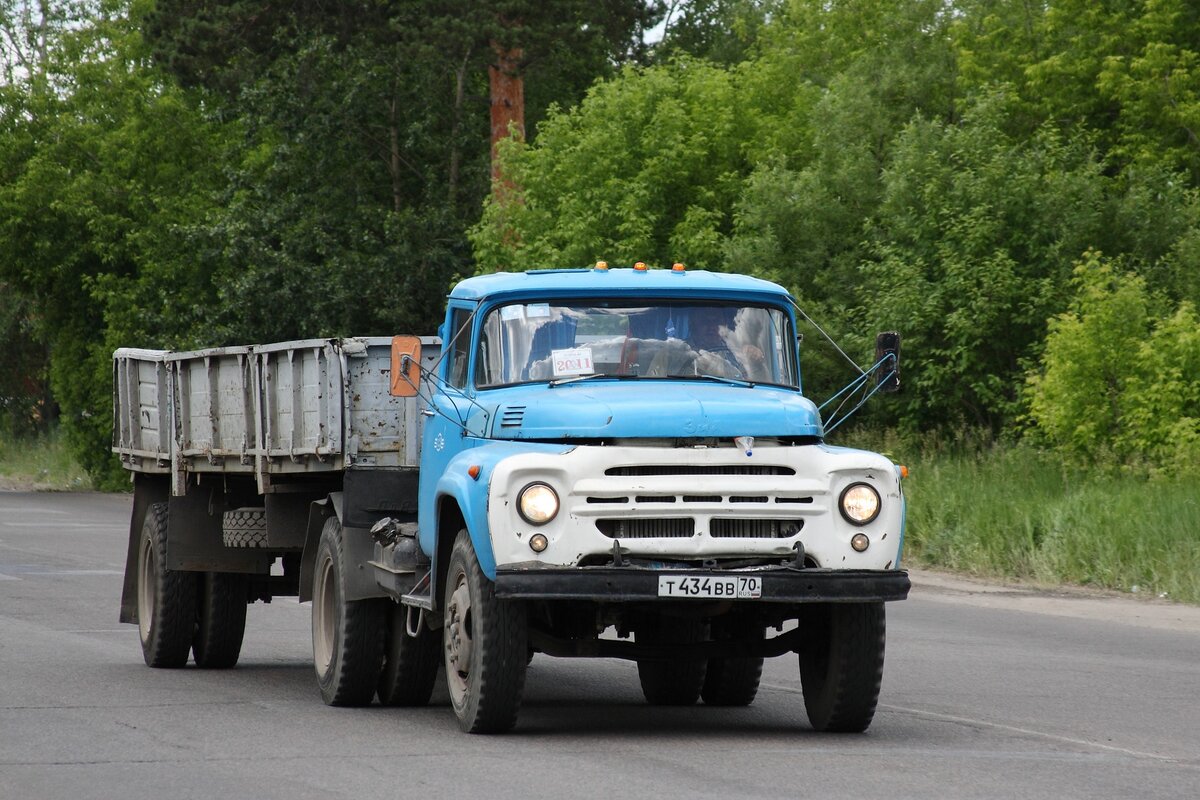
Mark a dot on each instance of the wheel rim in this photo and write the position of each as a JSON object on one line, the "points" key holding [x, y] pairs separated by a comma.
{"points": [[323, 617], [147, 585], [459, 638]]}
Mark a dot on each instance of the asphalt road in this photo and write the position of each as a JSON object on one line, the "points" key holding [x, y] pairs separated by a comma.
{"points": [[987, 694]]}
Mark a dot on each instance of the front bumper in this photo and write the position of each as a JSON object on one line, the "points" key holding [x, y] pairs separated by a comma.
{"points": [[640, 584]]}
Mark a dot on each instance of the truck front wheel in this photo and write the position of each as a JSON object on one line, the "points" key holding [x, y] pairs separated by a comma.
{"points": [[166, 598], [841, 664], [347, 634], [485, 644]]}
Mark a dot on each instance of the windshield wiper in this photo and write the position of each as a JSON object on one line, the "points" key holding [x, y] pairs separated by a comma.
{"points": [[577, 378], [715, 378]]}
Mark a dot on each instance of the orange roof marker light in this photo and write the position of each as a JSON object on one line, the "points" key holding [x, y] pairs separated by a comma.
{"points": [[602, 266], [678, 268], [640, 266]]}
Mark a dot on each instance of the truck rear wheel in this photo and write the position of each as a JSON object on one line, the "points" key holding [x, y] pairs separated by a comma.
{"points": [[731, 681], [166, 598], [347, 635], [841, 665], [410, 663], [485, 646], [672, 681], [221, 621]]}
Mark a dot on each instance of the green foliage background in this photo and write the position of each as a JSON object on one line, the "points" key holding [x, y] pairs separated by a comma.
{"points": [[1013, 185]]}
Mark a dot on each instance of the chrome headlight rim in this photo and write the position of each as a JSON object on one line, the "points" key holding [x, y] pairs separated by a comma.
{"points": [[529, 517], [846, 514]]}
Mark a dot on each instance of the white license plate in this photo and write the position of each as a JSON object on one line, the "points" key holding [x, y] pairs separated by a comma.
{"points": [[726, 588]]}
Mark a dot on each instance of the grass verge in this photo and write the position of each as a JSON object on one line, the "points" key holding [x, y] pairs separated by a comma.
{"points": [[40, 463], [1011, 510]]}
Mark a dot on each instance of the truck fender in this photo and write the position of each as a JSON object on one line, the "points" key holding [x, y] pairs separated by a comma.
{"points": [[147, 490], [358, 548], [471, 498]]}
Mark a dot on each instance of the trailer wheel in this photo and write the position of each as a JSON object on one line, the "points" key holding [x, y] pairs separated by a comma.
{"points": [[731, 681], [841, 665], [221, 622], [166, 598], [673, 681], [410, 663], [244, 527], [485, 646], [347, 635]]}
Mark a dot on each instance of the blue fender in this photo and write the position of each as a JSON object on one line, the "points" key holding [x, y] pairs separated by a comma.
{"points": [[471, 495]]}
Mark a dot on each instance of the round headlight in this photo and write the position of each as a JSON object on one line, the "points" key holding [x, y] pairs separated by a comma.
{"points": [[859, 503], [537, 504]]}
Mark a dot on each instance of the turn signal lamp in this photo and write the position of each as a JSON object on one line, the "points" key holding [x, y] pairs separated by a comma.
{"points": [[903, 471], [538, 542], [860, 542], [473, 471], [640, 266]]}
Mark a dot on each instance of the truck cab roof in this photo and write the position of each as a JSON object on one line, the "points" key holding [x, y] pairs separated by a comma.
{"points": [[614, 282]]}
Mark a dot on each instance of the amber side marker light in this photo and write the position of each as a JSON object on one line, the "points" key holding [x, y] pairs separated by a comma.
{"points": [[473, 471], [903, 471]]}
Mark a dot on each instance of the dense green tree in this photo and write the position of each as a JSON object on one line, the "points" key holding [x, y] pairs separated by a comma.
{"points": [[102, 160]]}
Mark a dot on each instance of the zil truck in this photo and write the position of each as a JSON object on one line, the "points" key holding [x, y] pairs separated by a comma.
{"points": [[597, 462]]}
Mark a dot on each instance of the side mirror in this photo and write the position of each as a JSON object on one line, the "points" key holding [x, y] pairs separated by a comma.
{"points": [[887, 346], [406, 366]]}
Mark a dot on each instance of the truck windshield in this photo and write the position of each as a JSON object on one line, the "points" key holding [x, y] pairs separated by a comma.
{"points": [[538, 342]]}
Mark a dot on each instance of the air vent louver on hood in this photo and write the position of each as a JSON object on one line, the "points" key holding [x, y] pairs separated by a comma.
{"points": [[512, 416]]}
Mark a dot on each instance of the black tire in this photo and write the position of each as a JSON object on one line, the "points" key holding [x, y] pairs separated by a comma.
{"points": [[166, 599], [731, 681], [221, 621], [347, 635], [671, 681], [841, 665], [410, 663], [244, 527], [485, 646]]}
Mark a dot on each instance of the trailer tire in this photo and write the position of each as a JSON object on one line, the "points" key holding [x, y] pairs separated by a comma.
{"points": [[347, 634], [673, 681], [166, 598], [244, 527], [841, 664], [410, 663], [731, 681], [485, 645], [221, 620]]}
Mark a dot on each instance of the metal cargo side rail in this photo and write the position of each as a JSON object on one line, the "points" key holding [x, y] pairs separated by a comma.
{"points": [[317, 405]]}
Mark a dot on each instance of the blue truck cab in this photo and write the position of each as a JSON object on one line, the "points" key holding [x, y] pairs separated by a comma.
{"points": [[621, 462]]}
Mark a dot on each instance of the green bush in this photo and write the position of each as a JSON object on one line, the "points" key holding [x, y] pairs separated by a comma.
{"points": [[1117, 378]]}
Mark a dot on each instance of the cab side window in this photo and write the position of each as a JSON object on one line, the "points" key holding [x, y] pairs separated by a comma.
{"points": [[460, 349]]}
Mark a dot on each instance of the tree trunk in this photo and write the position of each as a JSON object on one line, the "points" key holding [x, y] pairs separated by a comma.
{"points": [[508, 105]]}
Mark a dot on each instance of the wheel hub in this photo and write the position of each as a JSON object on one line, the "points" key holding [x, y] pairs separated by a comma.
{"points": [[459, 643]]}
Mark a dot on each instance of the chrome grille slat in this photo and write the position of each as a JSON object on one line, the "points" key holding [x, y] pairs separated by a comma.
{"points": [[698, 469]]}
